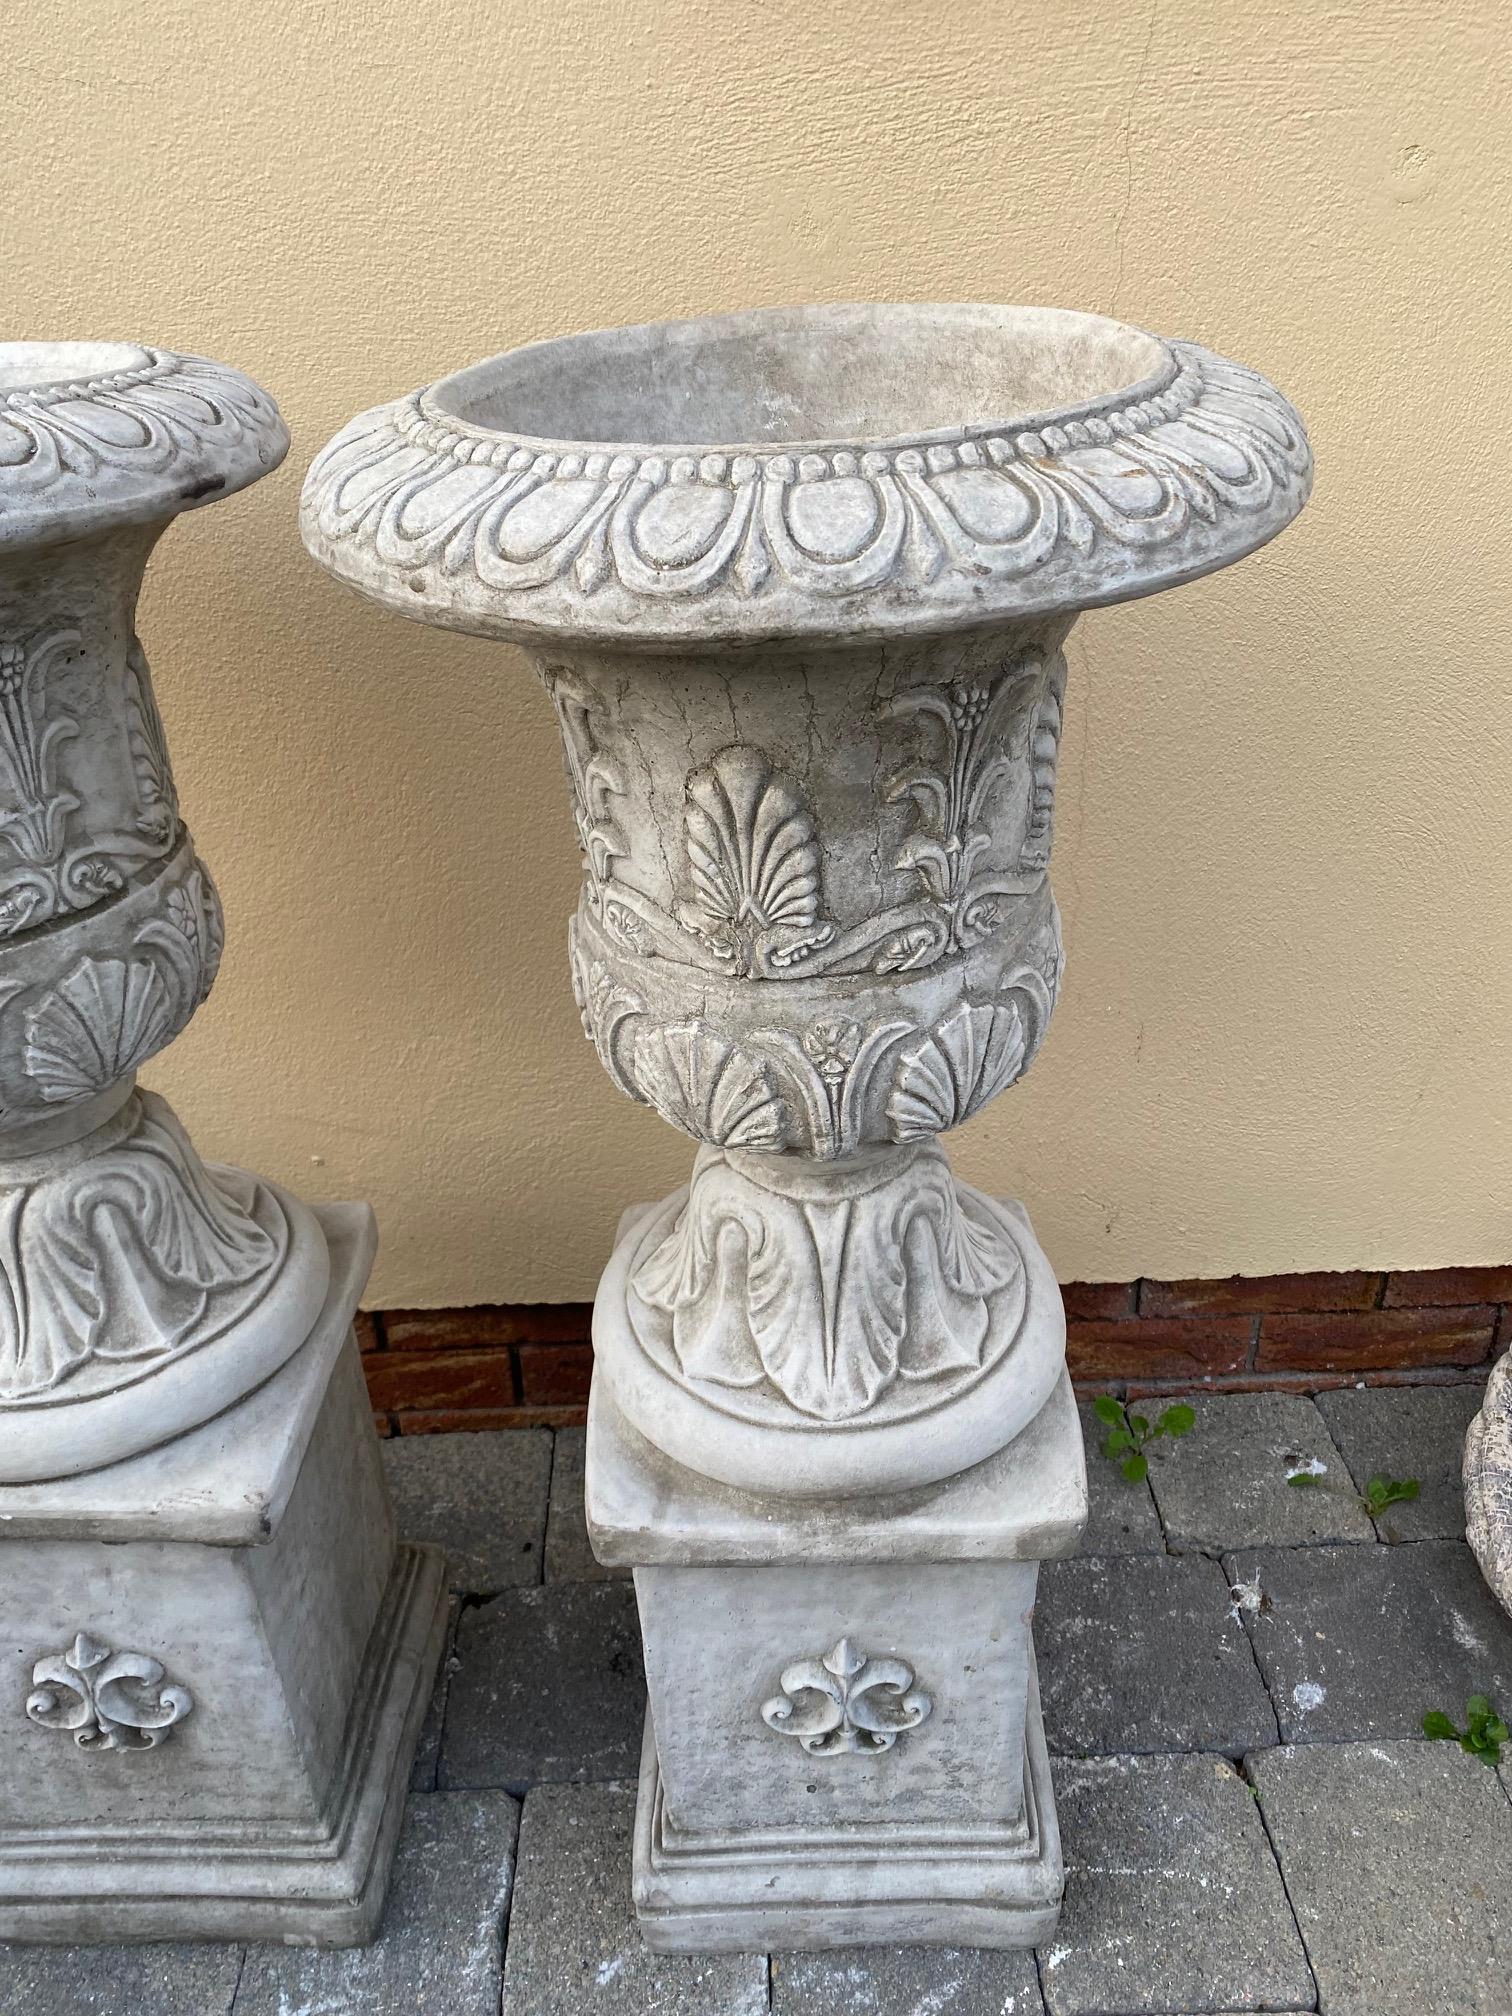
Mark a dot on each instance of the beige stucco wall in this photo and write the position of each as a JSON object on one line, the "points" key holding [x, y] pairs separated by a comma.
{"points": [[1285, 846]]}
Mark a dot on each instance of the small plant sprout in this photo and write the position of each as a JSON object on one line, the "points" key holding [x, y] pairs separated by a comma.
{"points": [[1306, 1473], [1482, 1736], [1128, 1434], [1383, 1491]]}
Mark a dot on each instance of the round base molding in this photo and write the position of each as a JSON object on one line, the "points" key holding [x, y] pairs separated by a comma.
{"points": [[147, 1291], [921, 1425]]}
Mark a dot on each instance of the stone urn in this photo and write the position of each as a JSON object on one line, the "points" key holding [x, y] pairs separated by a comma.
{"points": [[1487, 1477], [798, 583], [140, 1292], [215, 1656]]}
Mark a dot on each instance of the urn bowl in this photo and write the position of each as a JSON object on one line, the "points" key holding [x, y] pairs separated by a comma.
{"points": [[797, 582]]}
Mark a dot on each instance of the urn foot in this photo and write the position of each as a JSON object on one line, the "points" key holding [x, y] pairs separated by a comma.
{"points": [[141, 1292], [217, 1661], [830, 1328]]}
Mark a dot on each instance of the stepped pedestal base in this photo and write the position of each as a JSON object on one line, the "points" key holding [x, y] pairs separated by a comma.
{"points": [[764, 1890], [844, 1742], [216, 1660]]}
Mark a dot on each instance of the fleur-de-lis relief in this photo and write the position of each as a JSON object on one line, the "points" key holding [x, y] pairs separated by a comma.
{"points": [[753, 853], [105, 1700], [846, 1701], [34, 808]]}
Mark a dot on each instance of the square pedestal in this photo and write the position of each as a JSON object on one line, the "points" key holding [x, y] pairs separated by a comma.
{"points": [[241, 1589], [895, 1631]]}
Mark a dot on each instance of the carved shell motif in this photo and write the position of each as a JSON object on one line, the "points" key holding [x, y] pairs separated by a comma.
{"points": [[710, 1089], [965, 1060], [104, 1019], [754, 857]]}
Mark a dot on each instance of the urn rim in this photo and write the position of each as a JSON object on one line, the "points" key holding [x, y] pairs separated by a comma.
{"points": [[837, 483], [96, 434], [458, 399]]}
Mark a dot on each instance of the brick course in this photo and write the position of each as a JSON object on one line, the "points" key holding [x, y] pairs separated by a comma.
{"points": [[520, 1365], [1154, 1349], [1375, 1340], [1256, 1295]]}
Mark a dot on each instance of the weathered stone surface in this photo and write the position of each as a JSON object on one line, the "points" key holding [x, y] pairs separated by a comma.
{"points": [[426, 1767], [1407, 1431], [573, 1944], [1488, 1484], [907, 1620], [1144, 1653], [250, 1567], [167, 1980], [569, 1557], [548, 1685], [438, 1953], [1121, 1517], [1360, 1644], [1395, 1857], [1173, 1898], [905, 1981], [1224, 1485], [481, 1497]]}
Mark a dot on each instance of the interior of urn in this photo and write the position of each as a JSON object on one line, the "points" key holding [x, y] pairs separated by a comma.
{"points": [[787, 376], [24, 366]]}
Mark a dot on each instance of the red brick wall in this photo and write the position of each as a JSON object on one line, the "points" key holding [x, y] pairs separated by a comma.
{"points": [[528, 1364]]}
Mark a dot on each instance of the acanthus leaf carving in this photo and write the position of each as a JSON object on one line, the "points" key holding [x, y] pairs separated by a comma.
{"points": [[136, 1253], [593, 781], [832, 1062], [34, 806], [846, 1701], [51, 876], [950, 785], [158, 819], [831, 1296]]}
